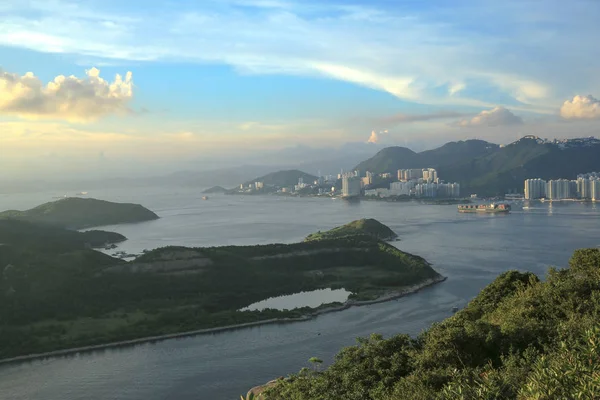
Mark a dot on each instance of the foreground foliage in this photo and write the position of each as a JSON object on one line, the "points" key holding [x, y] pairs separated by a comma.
{"points": [[520, 338]]}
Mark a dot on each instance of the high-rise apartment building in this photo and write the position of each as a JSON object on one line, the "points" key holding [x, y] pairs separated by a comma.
{"points": [[561, 189], [595, 189], [535, 189], [351, 186], [444, 190], [584, 188], [401, 188]]}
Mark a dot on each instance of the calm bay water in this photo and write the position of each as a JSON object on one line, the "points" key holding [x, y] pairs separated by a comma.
{"points": [[471, 250]]}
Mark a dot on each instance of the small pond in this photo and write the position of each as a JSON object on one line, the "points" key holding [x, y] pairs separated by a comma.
{"points": [[313, 299]]}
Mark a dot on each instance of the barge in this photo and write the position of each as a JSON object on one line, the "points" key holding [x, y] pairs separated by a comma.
{"points": [[484, 208]]}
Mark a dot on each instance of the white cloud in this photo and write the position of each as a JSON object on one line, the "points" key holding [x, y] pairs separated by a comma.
{"points": [[581, 107], [404, 51], [455, 88], [67, 98], [375, 137], [498, 116]]}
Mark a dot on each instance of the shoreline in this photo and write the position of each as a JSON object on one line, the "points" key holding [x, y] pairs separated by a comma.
{"points": [[179, 335]]}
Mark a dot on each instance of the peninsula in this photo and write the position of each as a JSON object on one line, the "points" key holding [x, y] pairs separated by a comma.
{"points": [[176, 291], [80, 213]]}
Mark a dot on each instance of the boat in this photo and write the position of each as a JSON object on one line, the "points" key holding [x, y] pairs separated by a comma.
{"points": [[484, 208], [204, 197]]}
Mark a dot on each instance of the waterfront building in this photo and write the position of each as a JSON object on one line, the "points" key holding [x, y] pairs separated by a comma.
{"points": [[351, 186], [595, 189], [401, 188], [584, 188], [561, 189], [379, 192], [535, 189]]}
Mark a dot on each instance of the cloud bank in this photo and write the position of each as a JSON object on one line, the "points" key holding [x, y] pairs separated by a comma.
{"points": [[498, 116], [581, 107], [65, 98]]}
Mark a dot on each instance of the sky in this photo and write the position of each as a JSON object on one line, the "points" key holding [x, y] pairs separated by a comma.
{"points": [[103, 87]]}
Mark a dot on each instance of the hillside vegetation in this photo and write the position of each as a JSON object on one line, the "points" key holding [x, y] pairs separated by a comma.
{"points": [[55, 297], [368, 226], [520, 338], [391, 159], [79, 213]]}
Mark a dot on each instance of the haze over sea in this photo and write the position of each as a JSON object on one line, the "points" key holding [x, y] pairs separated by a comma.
{"points": [[471, 250]]}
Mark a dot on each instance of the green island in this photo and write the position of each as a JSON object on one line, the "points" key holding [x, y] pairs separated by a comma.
{"points": [[520, 338], [215, 190], [70, 296], [80, 213], [366, 226]]}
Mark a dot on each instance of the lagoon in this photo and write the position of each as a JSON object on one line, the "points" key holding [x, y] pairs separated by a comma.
{"points": [[313, 299]]}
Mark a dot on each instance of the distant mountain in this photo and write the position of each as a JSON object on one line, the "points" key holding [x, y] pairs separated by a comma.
{"points": [[455, 152], [489, 169], [283, 178], [529, 157], [214, 190], [391, 159], [78, 213]]}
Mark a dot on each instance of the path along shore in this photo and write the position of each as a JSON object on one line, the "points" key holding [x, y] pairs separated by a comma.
{"points": [[151, 339]]}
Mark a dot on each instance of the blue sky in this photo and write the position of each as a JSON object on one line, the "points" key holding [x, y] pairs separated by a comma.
{"points": [[199, 79]]}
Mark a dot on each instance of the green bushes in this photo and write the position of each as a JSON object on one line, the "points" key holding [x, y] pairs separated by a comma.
{"points": [[520, 338]]}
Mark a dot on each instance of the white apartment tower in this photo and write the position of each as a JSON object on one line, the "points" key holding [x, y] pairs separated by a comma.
{"points": [[535, 189], [351, 186]]}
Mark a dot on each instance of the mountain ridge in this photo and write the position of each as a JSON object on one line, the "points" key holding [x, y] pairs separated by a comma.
{"points": [[493, 170]]}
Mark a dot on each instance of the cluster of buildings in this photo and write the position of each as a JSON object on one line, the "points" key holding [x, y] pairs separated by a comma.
{"points": [[421, 182], [586, 186]]}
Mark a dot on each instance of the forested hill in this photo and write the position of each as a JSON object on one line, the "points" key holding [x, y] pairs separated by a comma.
{"points": [[78, 213], [283, 178], [520, 338], [488, 169], [391, 159], [365, 226]]}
